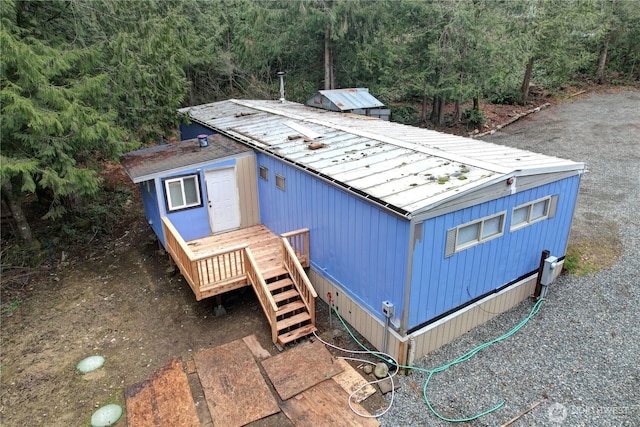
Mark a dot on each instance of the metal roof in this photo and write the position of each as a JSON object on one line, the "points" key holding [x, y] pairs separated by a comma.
{"points": [[404, 168], [150, 162], [347, 99]]}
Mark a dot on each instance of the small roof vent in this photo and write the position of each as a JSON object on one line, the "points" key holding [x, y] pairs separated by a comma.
{"points": [[280, 74]]}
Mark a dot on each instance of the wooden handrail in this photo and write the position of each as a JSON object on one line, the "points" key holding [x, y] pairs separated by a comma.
{"points": [[205, 269], [264, 295], [295, 232], [219, 252], [176, 235], [299, 241], [181, 253], [299, 278]]}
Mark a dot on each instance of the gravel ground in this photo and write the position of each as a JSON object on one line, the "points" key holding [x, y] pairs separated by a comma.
{"points": [[579, 355]]}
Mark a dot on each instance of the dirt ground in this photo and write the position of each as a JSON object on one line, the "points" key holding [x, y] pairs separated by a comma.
{"points": [[120, 303], [117, 299]]}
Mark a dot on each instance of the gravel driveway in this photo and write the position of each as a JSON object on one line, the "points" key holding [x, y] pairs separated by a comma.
{"points": [[579, 356]]}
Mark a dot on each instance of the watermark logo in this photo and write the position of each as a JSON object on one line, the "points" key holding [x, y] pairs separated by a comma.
{"points": [[557, 413]]}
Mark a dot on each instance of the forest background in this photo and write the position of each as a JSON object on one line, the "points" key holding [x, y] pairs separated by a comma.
{"points": [[83, 81]]}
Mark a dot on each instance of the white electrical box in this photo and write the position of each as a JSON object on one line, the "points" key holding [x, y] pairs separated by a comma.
{"points": [[388, 309], [549, 270]]}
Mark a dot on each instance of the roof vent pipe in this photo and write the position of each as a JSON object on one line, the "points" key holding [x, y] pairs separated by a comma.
{"points": [[280, 74], [202, 138]]}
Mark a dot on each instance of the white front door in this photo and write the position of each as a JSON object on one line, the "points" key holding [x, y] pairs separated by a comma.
{"points": [[222, 197]]}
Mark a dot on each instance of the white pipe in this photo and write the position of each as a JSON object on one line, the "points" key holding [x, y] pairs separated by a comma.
{"points": [[281, 75]]}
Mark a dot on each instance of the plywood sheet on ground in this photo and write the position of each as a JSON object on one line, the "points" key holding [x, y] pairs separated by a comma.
{"points": [[258, 351], [350, 381], [325, 404], [299, 368], [163, 400], [235, 390]]}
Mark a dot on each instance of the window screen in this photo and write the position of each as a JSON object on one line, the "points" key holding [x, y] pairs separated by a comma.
{"points": [[534, 211], [182, 192], [468, 234], [264, 173], [473, 233]]}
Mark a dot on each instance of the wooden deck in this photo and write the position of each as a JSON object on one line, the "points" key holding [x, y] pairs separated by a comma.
{"points": [[272, 265], [265, 246]]}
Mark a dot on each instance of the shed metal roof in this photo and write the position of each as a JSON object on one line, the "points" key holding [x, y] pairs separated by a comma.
{"points": [[150, 162], [349, 99], [406, 169]]}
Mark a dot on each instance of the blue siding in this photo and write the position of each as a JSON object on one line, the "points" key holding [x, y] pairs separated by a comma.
{"points": [[192, 131], [191, 223], [151, 209], [439, 284], [353, 243]]}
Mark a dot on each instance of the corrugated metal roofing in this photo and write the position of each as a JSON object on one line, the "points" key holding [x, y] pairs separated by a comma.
{"points": [[351, 99], [404, 168], [144, 164]]}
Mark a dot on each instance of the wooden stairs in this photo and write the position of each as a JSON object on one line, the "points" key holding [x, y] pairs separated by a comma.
{"points": [[293, 320]]}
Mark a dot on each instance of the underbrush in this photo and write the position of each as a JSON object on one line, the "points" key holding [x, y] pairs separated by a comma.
{"points": [[85, 227]]}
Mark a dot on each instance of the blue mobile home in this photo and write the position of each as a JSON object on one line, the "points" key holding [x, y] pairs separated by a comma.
{"points": [[414, 235]]}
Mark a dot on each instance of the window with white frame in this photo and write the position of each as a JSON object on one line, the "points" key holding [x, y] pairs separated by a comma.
{"points": [[182, 192], [280, 183], [264, 173], [532, 212], [475, 232]]}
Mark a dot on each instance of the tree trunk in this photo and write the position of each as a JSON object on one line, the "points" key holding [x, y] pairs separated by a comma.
{"points": [[457, 113], [16, 210], [423, 111], [603, 59], [433, 118], [333, 73], [328, 61], [526, 81], [476, 103], [437, 113]]}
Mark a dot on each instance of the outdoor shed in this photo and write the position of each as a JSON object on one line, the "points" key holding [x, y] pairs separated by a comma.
{"points": [[414, 235], [352, 100]]}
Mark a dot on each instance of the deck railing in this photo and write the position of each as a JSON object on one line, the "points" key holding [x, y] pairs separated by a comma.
{"points": [[299, 241], [225, 265], [205, 270], [264, 295], [299, 278], [181, 254], [226, 268]]}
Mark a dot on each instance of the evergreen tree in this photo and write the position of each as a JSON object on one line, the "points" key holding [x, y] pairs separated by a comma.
{"points": [[617, 38], [551, 38], [53, 121]]}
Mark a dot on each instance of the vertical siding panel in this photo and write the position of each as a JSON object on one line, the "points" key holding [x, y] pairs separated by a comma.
{"points": [[353, 243], [437, 337], [441, 284], [150, 200], [248, 192]]}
